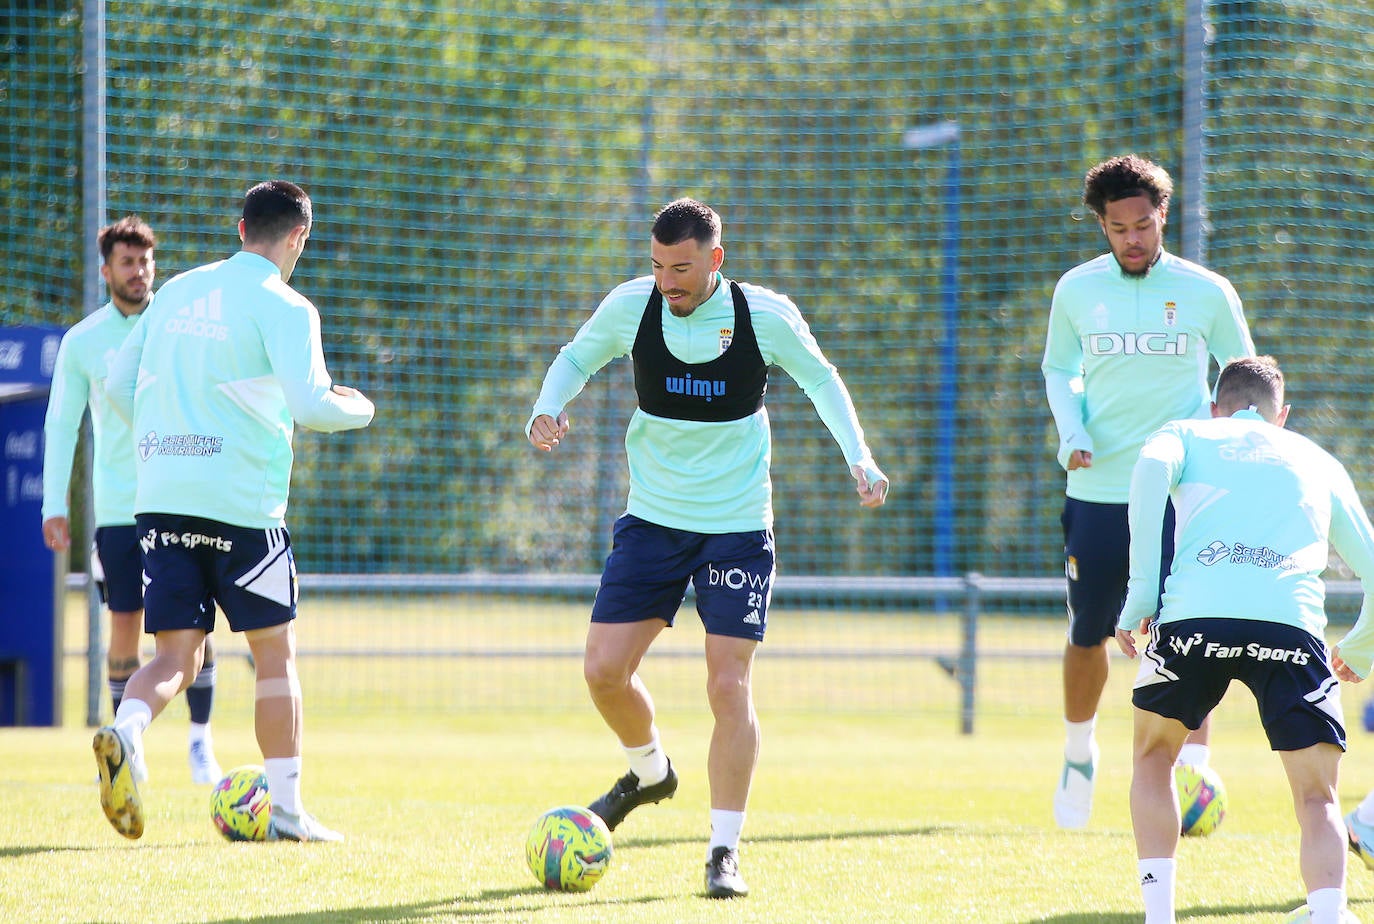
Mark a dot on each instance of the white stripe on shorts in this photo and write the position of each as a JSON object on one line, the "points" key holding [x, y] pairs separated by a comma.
{"points": [[271, 577]]}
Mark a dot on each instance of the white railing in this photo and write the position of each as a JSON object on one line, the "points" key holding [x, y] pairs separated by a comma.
{"points": [[967, 595]]}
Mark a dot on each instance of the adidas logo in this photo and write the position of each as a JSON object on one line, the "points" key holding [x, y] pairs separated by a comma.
{"points": [[753, 618], [1149, 879]]}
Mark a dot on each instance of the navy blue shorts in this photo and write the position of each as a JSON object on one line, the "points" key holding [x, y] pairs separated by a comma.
{"points": [[649, 566], [1187, 666], [117, 567], [193, 563], [1097, 552]]}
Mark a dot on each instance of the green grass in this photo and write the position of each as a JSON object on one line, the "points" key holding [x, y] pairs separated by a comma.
{"points": [[875, 818], [867, 806]]}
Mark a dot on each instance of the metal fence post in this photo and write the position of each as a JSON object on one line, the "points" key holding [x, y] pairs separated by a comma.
{"points": [[968, 651]]}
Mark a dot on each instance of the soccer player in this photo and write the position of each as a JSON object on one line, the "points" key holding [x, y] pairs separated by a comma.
{"points": [[83, 360], [1127, 350], [700, 503], [214, 376], [1258, 509]]}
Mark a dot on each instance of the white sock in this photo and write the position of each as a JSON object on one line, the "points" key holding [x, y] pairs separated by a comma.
{"points": [[198, 732], [1365, 813], [133, 718], [1326, 905], [725, 829], [1157, 888], [1194, 755], [284, 783], [1078, 740], [648, 762]]}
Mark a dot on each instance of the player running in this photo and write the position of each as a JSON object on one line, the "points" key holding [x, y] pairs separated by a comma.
{"points": [[1258, 509], [700, 506], [1127, 350], [221, 367], [83, 361]]}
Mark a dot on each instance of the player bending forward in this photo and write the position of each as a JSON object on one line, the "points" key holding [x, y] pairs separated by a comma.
{"points": [[1257, 507]]}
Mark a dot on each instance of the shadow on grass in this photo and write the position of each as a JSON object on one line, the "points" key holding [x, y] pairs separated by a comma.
{"points": [[871, 833], [1184, 914], [793, 838], [486, 904], [26, 850], [7, 852]]}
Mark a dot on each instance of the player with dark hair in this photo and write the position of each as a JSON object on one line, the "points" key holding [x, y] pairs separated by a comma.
{"points": [[700, 505], [215, 376], [1127, 349], [83, 360], [1258, 510]]}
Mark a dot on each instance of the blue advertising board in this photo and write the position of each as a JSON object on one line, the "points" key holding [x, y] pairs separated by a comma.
{"points": [[30, 630]]}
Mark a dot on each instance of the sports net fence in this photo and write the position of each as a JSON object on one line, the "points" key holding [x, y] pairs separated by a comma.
{"points": [[908, 172]]}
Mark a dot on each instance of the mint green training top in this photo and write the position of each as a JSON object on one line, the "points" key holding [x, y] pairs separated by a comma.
{"points": [[1258, 508], [214, 375], [1124, 355], [705, 476], [78, 380]]}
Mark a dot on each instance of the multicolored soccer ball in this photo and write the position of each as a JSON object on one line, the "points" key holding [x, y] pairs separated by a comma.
{"points": [[568, 849], [1201, 799], [240, 805]]}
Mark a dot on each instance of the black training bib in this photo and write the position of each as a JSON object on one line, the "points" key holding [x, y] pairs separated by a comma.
{"points": [[729, 387]]}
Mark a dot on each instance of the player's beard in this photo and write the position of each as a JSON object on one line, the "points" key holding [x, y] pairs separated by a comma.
{"points": [[678, 311], [125, 295], [1140, 273]]}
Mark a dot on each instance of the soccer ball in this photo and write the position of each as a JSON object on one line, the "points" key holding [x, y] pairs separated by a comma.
{"points": [[240, 805], [1302, 915], [568, 849], [1201, 799]]}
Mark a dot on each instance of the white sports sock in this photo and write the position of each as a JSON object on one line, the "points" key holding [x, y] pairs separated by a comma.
{"points": [[725, 829], [133, 718], [648, 762], [1365, 813], [1157, 888], [1078, 740], [1326, 905], [284, 783], [197, 732], [1194, 755]]}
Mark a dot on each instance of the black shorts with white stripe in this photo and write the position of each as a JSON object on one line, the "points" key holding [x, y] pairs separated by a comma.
{"points": [[194, 564]]}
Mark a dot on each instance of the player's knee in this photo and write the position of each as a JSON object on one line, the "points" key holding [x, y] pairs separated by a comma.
{"points": [[728, 690], [1081, 650], [604, 675]]}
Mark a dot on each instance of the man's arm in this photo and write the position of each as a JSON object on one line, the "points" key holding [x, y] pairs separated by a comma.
{"points": [[794, 349], [1353, 539], [1156, 472], [61, 426], [1062, 367], [608, 333], [1230, 337], [297, 357]]}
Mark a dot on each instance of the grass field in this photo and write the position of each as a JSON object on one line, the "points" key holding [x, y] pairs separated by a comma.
{"points": [[857, 815]]}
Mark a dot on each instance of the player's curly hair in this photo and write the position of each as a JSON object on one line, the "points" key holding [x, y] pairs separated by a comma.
{"points": [[1251, 381], [130, 230], [1123, 177], [687, 218]]}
